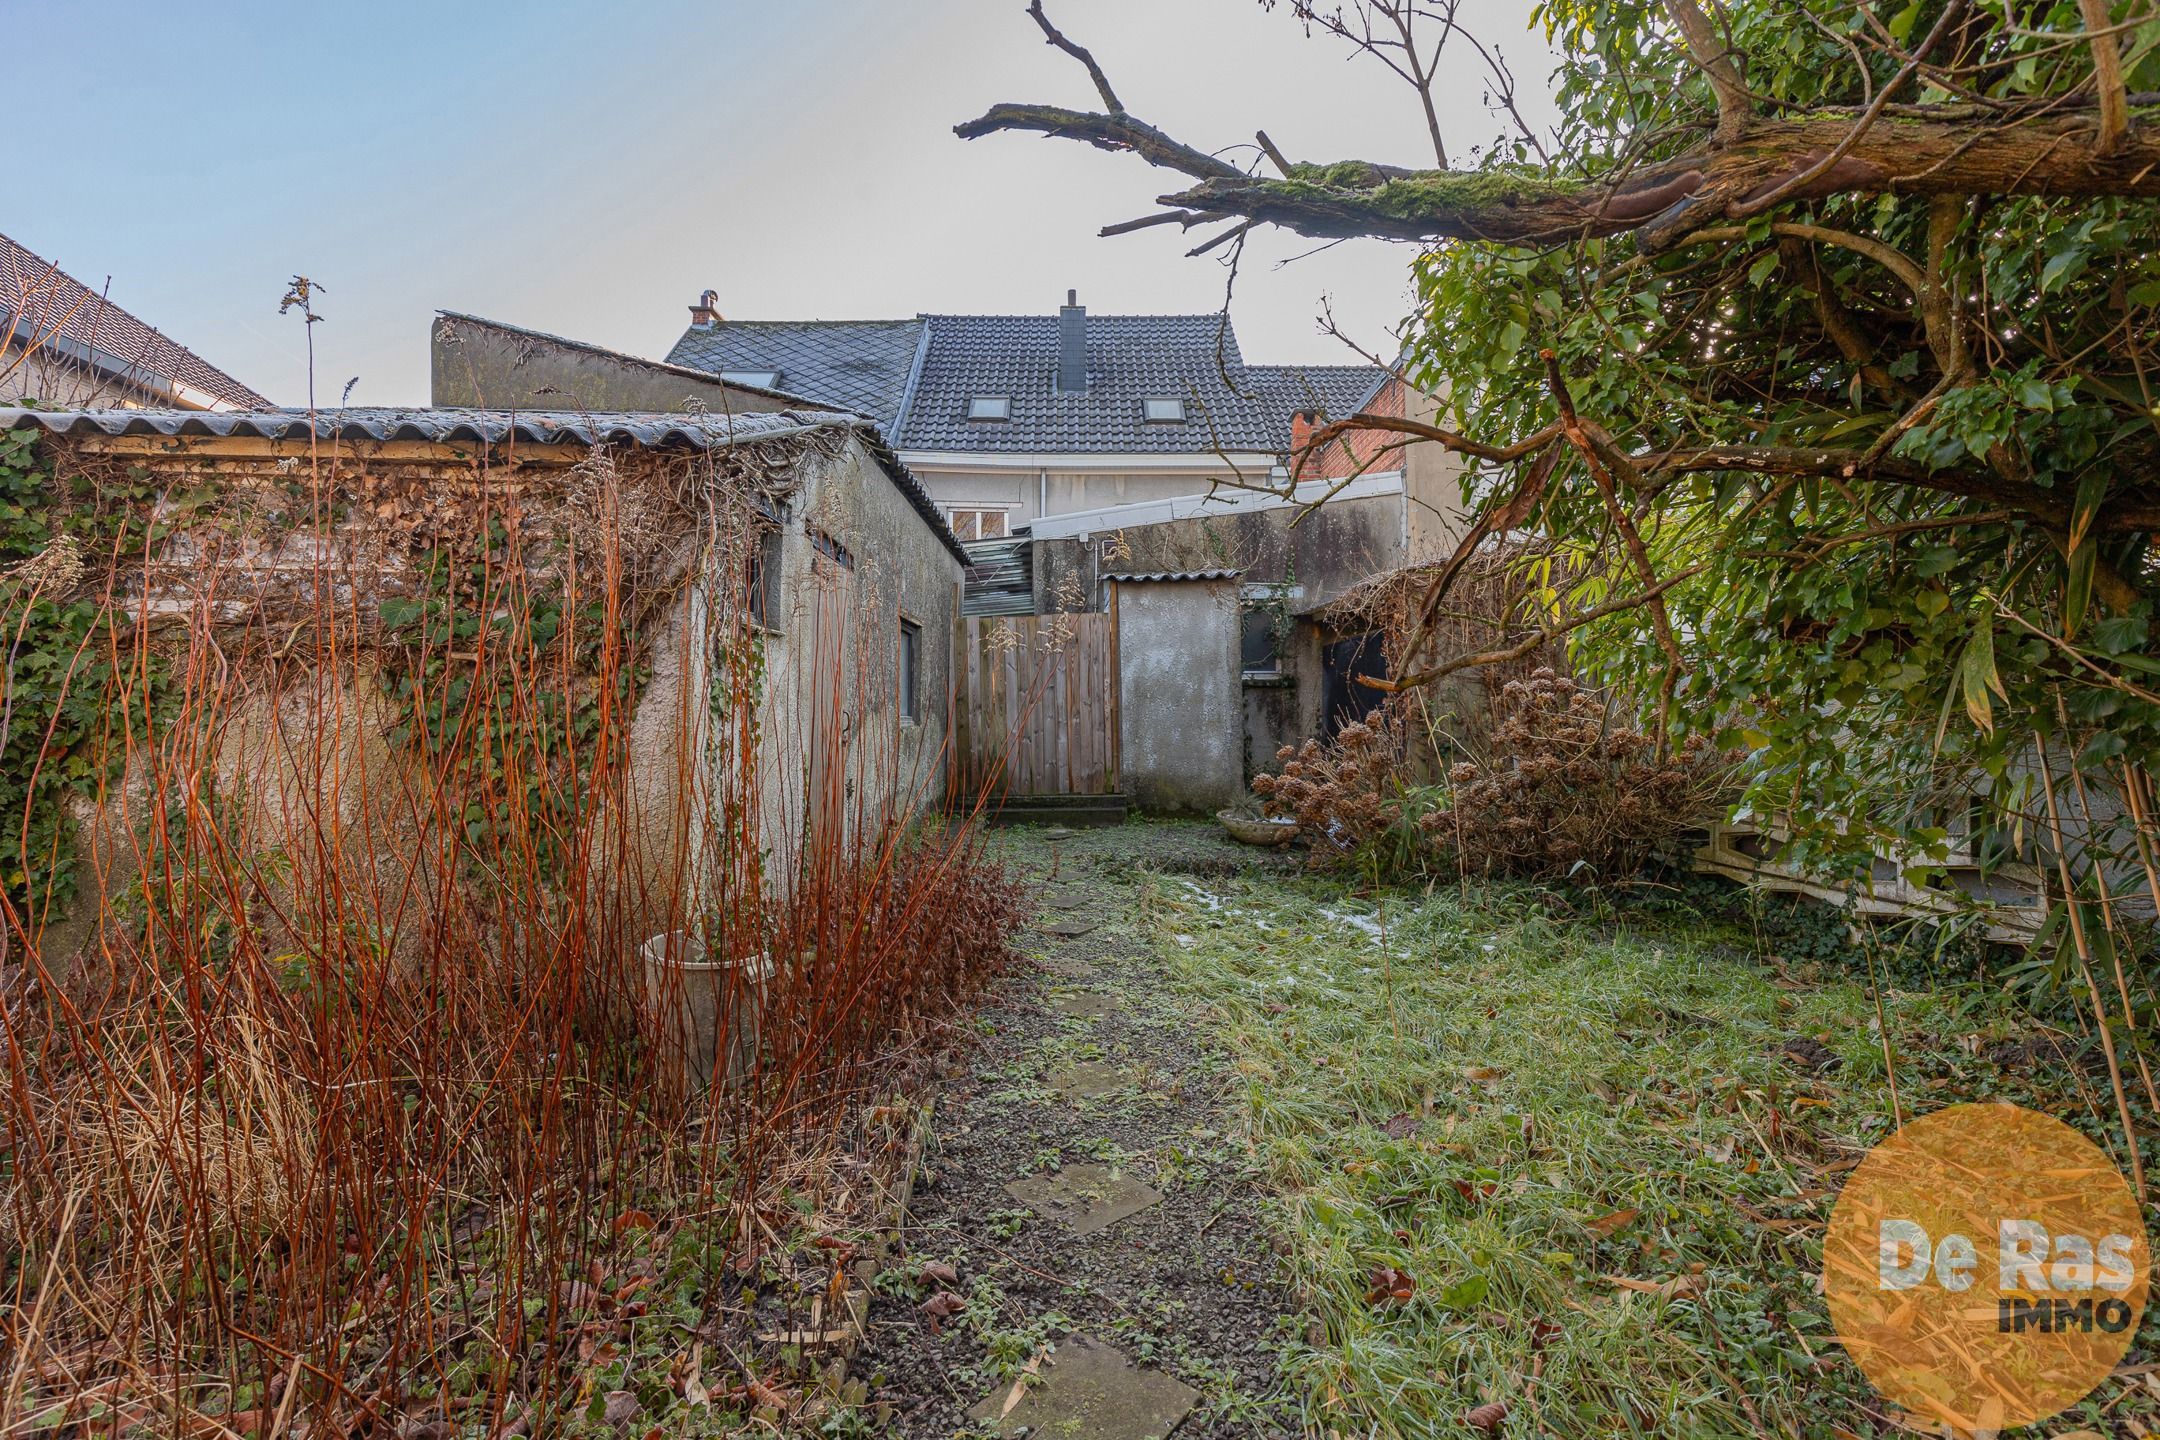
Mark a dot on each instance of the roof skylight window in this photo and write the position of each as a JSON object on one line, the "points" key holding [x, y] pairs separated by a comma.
{"points": [[1162, 410], [762, 379], [990, 407]]}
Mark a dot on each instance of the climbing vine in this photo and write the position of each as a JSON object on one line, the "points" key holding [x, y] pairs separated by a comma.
{"points": [[60, 647]]}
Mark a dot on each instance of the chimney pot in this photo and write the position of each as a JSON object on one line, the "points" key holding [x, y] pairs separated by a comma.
{"points": [[707, 310]]}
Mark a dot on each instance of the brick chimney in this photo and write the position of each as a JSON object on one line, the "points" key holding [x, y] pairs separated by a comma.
{"points": [[706, 313], [1072, 346], [1301, 427]]}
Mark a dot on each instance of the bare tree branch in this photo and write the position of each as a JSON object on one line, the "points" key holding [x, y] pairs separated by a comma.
{"points": [[1053, 36]]}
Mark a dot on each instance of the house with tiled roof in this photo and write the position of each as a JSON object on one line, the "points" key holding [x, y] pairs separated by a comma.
{"points": [[63, 343], [1014, 420]]}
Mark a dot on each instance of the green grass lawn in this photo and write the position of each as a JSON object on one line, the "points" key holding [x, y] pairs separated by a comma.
{"points": [[1568, 1166]]}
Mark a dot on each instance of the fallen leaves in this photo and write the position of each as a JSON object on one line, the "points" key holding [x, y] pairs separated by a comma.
{"points": [[1609, 1224], [1679, 1287], [1390, 1286], [1488, 1417], [939, 1308], [936, 1272]]}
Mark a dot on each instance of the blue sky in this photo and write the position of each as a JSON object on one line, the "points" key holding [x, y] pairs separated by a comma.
{"points": [[588, 168]]}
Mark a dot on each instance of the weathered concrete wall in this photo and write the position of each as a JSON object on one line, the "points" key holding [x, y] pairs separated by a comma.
{"points": [[292, 737], [1435, 514], [1181, 708], [1331, 549], [477, 363], [1026, 495]]}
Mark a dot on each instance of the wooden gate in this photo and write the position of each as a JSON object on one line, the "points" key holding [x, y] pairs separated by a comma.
{"points": [[1035, 705]]}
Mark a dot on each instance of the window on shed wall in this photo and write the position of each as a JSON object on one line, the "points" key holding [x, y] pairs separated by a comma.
{"points": [[761, 581], [910, 670], [1260, 646], [976, 522]]}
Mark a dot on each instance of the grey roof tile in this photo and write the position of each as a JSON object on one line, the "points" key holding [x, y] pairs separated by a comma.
{"points": [[41, 302], [1334, 390], [872, 366], [1130, 358], [859, 365]]}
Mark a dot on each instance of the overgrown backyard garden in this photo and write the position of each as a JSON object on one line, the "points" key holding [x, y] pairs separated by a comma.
{"points": [[1434, 1160]]}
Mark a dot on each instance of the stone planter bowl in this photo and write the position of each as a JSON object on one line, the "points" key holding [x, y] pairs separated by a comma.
{"points": [[1252, 830]]}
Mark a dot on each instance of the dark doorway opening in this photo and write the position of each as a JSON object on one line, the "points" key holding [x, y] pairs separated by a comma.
{"points": [[1343, 701]]}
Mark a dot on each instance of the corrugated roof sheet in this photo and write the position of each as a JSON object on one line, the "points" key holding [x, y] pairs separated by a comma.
{"points": [[38, 301], [916, 378], [859, 365], [455, 426], [1172, 575]]}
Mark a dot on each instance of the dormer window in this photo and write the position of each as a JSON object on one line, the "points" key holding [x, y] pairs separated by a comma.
{"points": [[990, 407], [762, 379], [1163, 410]]}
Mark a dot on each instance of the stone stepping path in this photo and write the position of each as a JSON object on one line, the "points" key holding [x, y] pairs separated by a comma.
{"points": [[1089, 1079], [1087, 1197], [1087, 1389], [1137, 1252], [1084, 1005], [1068, 967]]}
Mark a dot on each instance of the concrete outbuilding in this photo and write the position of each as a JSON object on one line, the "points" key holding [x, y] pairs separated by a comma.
{"points": [[1181, 724]]}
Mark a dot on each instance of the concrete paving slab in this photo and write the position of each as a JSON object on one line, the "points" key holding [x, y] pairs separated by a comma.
{"points": [[1086, 1197], [1088, 1389], [1085, 1005], [1088, 1079], [1069, 967], [1059, 897], [1069, 926]]}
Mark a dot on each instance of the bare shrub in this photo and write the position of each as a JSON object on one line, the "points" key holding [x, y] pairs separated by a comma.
{"points": [[1346, 793], [1572, 786]]}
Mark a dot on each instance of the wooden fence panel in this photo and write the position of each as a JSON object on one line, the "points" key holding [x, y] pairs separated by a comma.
{"points": [[1035, 705]]}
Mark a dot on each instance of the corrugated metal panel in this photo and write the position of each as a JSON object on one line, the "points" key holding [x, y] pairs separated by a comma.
{"points": [[1000, 578]]}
